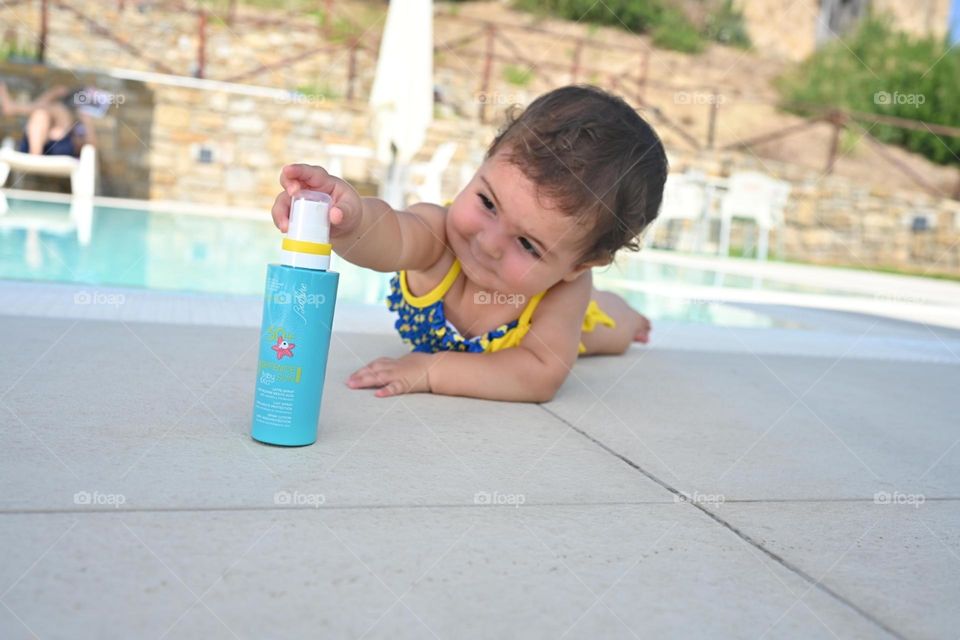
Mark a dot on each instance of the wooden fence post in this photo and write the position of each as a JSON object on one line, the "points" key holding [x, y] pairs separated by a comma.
{"points": [[575, 66], [201, 43], [487, 69], [712, 124], [42, 37], [352, 72], [837, 120]]}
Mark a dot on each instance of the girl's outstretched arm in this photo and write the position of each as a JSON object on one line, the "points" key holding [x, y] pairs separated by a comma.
{"points": [[367, 231]]}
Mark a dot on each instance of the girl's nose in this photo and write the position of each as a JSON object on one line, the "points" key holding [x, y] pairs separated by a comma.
{"points": [[490, 244]]}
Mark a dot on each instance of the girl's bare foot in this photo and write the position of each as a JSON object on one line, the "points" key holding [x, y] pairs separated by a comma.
{"points": [[644, 328]]}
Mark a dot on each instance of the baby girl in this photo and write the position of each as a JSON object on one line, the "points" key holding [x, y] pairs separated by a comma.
{"points": [[494, 292]]}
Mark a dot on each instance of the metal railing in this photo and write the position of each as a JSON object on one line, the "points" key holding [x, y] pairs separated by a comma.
{"points": [[495, 43]]}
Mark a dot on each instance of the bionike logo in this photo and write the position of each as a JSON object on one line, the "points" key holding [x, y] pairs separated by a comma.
{"points": [[283, 348]]}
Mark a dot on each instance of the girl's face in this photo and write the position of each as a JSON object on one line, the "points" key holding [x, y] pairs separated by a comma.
{"points": [[506, 239]]}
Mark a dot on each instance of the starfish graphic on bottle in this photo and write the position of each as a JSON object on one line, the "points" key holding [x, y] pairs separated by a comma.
{"points": [[283, 348]]}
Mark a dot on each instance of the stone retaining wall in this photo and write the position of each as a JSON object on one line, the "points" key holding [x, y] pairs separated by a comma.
{"points": [[210, 142]]}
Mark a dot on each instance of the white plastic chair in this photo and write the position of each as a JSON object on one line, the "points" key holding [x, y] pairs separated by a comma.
{"points": [[423, 180], [757, 197], [335, 154], [684, 200], [82, 171]]}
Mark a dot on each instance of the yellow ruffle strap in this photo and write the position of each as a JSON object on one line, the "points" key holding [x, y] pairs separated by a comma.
{"points": [[594, 316]]}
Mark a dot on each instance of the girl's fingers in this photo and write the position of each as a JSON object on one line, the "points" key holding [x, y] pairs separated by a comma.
{"points": [[365, 378], [281, 211], [394, 388], [294, 177]]}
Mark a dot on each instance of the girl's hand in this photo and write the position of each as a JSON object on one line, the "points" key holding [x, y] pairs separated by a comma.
{"points": [[347, 208], [395, 376]]}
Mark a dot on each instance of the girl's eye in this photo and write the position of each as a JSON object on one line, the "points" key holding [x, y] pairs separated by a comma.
{"points": [[528, 247], [487, 203]]}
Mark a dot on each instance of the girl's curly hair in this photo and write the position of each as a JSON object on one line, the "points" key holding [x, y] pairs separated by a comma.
{"points": [[594, 156]]}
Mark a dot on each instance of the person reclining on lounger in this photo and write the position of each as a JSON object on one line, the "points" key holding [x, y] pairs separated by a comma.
{"points": [[59, 121]]}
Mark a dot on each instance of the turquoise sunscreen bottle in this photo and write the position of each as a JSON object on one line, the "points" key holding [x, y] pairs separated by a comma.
{"points": [[295, 333]]}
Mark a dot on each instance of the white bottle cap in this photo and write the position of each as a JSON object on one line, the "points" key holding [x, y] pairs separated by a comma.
{"points": [[307, 241]]}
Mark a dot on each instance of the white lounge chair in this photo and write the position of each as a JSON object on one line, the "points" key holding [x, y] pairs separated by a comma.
{"points": [[335, 155], [82, 171], [757, 197], [424, 180], [683, 200]]}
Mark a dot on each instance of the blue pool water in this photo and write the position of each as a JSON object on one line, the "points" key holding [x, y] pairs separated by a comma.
{"points": [[205, 253]]}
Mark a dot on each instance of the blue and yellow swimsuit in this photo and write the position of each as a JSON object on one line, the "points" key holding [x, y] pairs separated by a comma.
{"points": [[422, 322]]}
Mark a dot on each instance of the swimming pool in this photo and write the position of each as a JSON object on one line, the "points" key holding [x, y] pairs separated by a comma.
{"points": [[199, 251]]}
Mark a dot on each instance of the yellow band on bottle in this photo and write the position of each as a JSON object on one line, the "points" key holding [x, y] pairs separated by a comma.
{"points": [[302, 246]]}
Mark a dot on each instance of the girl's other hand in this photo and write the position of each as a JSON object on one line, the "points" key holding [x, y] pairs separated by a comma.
{"points": [[394, 376], [346, 210]]}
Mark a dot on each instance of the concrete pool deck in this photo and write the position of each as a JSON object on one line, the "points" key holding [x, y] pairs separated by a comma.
{"points": [[725, 482]]}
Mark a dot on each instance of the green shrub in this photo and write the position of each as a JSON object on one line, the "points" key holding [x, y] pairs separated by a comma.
{"points": [[725, 24], [675, 32], [518, 76], [15, 52], [668, 26], [881, 71]]}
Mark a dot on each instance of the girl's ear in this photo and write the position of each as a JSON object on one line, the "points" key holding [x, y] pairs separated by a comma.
{"points": [[583, 266]]}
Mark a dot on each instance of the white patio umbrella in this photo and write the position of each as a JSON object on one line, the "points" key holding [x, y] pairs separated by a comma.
{"points": [[402, 98]]}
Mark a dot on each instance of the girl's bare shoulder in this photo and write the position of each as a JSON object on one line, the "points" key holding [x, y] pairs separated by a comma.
{"points": [[422, 281], [566, 296]]}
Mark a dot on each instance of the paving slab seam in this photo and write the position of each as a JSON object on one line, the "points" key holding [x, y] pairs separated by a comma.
{"points": [[678, 495], [946, 360], [327, 507], [361, 507]]}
